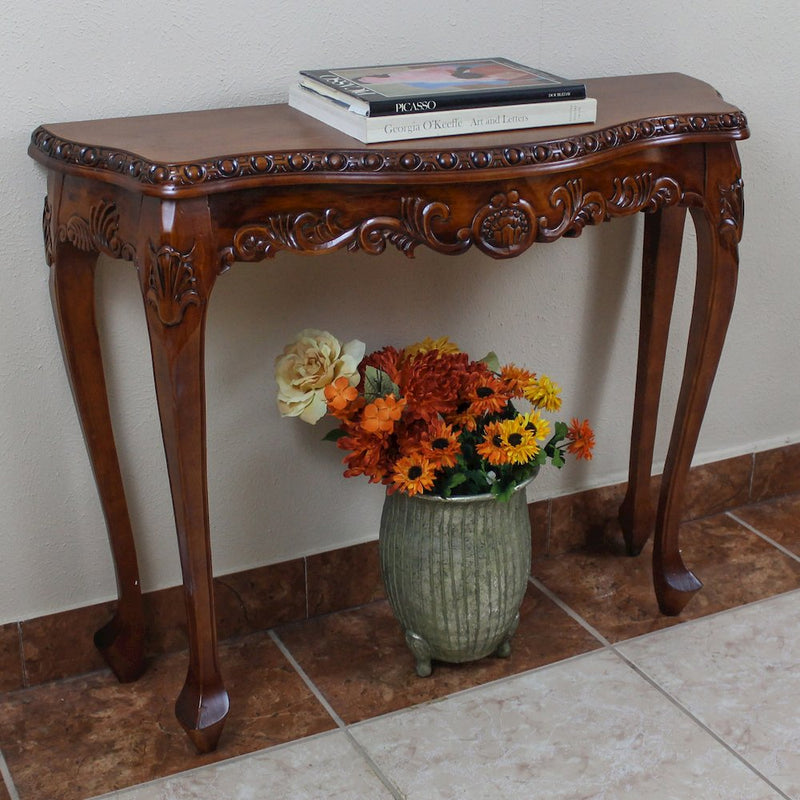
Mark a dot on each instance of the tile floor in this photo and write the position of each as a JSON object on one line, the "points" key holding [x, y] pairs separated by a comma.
{"points": [[602, 697]]}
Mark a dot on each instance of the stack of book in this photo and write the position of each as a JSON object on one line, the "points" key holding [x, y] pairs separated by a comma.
{"points": [[439, 98]]}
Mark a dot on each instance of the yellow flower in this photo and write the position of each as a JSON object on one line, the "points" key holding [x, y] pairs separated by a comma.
{"points": [[518, 443], [537, 425], [311, 362], [442, 344], [543, 393]]}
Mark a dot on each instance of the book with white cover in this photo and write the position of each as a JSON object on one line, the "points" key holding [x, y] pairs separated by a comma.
{"points": [[371, 130]]}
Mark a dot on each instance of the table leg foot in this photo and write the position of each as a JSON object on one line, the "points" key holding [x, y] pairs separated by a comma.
{"points": [[122, 646], [202, 714], [674, 588], [635, 523]]}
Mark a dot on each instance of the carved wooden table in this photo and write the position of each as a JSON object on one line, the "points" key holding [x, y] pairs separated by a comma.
{"points": [[185, 196]]}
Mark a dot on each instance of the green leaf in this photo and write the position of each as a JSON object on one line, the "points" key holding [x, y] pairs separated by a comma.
{"points": [[456, 479], [503, 493], [492, 361], [334, 435], [558, 457], [378, 384], [541, 458]]}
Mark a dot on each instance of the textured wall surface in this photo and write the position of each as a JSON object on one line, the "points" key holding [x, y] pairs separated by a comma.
{"points": [[569, 309]]}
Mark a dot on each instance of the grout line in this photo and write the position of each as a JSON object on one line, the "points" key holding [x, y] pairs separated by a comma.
{"points": [[7, 779], [766, 538], [305, 582], [697, 721], [752, 478], [569, 611], [549, 525], [23, 666], [308, 682], [341, 724]]}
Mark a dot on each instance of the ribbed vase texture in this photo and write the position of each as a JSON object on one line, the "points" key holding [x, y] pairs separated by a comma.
{"points": [[456, 570]]}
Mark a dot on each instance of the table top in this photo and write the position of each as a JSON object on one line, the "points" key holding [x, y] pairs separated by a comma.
{"points": [[198, 152]]}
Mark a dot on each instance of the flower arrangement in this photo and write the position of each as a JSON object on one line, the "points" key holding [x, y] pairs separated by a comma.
{"points": [[428, 419]]}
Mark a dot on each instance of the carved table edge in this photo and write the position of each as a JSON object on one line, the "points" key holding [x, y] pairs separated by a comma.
{"points": [[169, 178]]}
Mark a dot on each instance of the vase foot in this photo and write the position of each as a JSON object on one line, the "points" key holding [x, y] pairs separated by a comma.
{"points": [[422, 653], [503, 649]]}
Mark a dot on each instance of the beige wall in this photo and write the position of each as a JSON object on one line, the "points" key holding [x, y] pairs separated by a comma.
{"points": [[569, 309]]}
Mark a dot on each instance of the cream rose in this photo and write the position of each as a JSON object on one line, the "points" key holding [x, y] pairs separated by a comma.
{"points": [[312, 361]]}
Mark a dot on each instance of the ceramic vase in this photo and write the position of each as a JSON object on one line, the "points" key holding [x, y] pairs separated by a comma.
{"points": [[455, 572]]}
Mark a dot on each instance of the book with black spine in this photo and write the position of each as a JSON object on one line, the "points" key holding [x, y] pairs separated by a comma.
{"points": [[372, 130], [387, 90]]}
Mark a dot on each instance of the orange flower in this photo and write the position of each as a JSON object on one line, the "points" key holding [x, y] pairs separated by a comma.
{"points": [[582, 439], [413, 474], [340, 396], [516, 378], [492, 447], [380, 415], [370, 455], [432, 383], [488, 395], [440, 445], [462, 419]]}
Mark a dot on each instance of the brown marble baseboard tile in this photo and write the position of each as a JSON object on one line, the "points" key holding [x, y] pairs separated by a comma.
{"points": [[11, 676], [261, 598], [91, 735], [360, 662], [343, 578], [717, 487], [581, 519], [614, 592], [776, 472], [60, 645], [4, 793], [539, 515]]}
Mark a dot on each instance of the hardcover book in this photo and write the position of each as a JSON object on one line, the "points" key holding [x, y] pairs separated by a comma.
{"points": [[369, 129], [439, 85]]}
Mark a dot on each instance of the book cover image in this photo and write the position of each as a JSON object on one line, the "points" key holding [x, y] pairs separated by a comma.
{"points": [[438, 77]]}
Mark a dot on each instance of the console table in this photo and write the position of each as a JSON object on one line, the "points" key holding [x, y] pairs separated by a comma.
{"points": [[184, 196]]}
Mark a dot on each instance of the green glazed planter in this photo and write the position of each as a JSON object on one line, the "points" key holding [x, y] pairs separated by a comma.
{"points": [[455, 572]]}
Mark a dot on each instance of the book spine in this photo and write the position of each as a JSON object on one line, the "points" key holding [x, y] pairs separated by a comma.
{"points": [[398, 106], [546, 94], [481, 120]]}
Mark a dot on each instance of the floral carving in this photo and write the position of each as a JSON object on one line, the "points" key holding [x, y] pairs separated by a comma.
{"points": [[310, 232], [47, 218], [731, 214], [171, 283], [579, 208], [504, 228], [98, 233]]}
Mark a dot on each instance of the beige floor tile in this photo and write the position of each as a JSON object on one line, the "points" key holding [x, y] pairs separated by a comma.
{"points": [[587, 728], [326, 766], [738, 673]]}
